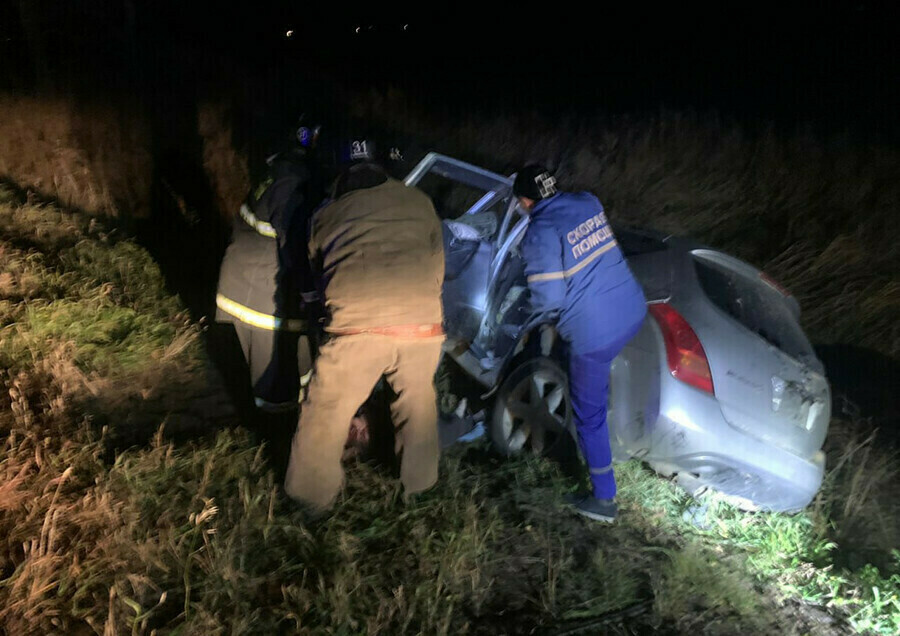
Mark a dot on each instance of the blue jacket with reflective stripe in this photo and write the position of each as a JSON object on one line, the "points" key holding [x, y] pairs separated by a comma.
{"points": [[576, 269]]}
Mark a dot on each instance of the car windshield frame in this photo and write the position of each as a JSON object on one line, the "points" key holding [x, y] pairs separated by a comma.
{"points": [[496, 186], [461, 171], [512, 226]]}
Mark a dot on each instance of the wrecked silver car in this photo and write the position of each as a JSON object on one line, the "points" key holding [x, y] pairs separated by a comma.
{"points": [[720, 389]]}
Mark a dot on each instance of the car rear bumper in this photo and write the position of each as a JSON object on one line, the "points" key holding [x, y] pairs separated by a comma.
{"points": [[750, 487], [704, 450]]}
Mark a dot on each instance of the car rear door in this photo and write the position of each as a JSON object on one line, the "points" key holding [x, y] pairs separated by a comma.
{"points": [[766, 377]]}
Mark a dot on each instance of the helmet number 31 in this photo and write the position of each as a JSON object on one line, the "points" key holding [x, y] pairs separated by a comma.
{"points": [[359, 150]]}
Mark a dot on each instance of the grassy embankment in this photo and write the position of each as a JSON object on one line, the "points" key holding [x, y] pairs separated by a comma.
{"points": [[194, 535]]}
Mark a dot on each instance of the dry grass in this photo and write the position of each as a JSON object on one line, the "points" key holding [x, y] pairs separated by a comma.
{"points": [[697, 586], [95, 158], [105, 158], [194, 536], [859, 498], [225, 167]]}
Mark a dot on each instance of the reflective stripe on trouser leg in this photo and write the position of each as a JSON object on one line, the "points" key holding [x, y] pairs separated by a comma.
{"points": [[589, 388], [344, 373], [600, 471], [414, 411], [305, 357]]}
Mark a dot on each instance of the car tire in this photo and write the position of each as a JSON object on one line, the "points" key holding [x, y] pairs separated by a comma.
{"points": [[532, 410]]}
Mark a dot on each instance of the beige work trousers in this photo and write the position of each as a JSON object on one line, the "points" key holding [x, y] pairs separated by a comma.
{"points": [[346, 370]]}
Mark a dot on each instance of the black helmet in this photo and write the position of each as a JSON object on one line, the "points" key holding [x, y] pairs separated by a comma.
{"points": [[358, 166], [307, 136], [298, 142], [534, 182], [356, 150], [371, 149]]}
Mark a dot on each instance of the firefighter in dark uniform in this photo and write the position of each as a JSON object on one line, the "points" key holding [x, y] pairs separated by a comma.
{"points": [[265, 286]]}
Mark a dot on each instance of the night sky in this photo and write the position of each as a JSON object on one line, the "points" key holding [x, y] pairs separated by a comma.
{"points": [[831, 63], [828, 64]]}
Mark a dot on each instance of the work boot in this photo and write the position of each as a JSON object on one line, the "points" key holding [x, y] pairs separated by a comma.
{"points": [[589, 506]]}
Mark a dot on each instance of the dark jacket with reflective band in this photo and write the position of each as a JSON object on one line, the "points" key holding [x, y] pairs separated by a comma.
{"points": [[574, 267], [283, 192], [381, 255], [263, 273], [293, 190], [249, 276]]}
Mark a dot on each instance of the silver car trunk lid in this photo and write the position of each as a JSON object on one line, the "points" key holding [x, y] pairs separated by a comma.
{"points": [[766, 377]]}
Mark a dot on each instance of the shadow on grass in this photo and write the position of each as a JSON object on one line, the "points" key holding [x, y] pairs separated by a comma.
{"points": [[196, 291], [864, 387], [185, 234]]}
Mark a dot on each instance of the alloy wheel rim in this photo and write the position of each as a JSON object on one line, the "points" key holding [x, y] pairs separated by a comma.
{"points": [[536, 409]]}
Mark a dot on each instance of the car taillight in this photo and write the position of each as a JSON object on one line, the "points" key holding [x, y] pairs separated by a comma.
{"points": [[685, 355], [771, 282]]}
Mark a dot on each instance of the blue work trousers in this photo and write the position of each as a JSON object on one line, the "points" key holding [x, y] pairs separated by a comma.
{"points": [[589, 389]]}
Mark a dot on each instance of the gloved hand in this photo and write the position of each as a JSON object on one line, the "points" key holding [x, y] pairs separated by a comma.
{"points": [[539, 319], [310, 297]]}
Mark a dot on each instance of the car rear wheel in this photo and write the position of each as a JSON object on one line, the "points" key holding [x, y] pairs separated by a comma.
{"points": [[532, 411]]}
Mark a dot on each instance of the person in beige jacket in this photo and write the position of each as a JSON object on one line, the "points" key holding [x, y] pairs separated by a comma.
{"points": [[378, 249]]}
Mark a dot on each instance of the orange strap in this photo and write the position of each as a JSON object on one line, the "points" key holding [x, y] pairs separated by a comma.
{"points": [[397, 331]]}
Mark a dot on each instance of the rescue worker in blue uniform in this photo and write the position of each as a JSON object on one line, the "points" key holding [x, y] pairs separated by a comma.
{"points": [[577, 275], [266, 287]]}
